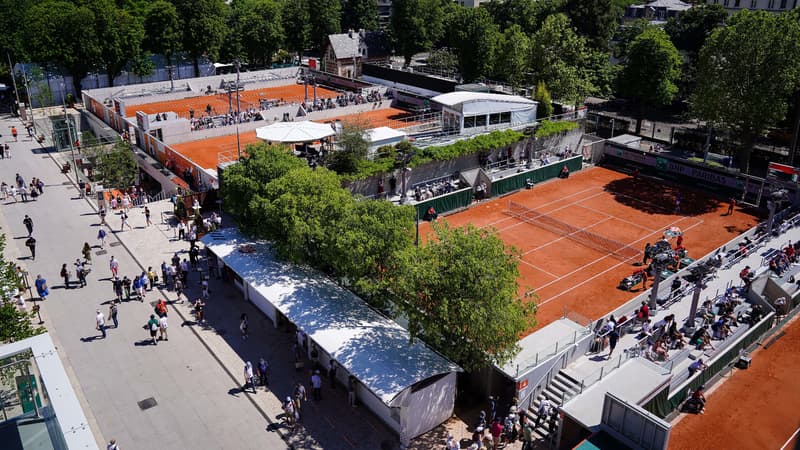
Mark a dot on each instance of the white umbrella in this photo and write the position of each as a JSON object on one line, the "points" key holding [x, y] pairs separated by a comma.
{"points": [[291, 132]]}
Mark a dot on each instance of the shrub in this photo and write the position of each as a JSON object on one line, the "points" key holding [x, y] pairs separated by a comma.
{"points": [[548, 128]]}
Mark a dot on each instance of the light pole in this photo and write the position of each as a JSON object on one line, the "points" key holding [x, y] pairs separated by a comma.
{"points": [[69, 127], [237, 64], [170, 68], [13, 79]]}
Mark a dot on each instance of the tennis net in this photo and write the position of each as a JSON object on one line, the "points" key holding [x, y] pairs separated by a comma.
{"points": [[617, 249]]}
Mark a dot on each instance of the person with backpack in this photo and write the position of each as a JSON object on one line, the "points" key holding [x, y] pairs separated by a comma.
{"points": [[65, 275], [126, 286], [153, 326]]}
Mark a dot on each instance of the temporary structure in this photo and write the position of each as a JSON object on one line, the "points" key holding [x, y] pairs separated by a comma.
{"points": [[295, 132]]}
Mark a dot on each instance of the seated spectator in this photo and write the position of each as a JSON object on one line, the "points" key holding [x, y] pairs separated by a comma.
{"points": [[431, 215], [676, 340], [660, 350], [697, 366], [644, 312], [647, 329], [698, 401], [564, 172], [701, 339], [746, 276]]}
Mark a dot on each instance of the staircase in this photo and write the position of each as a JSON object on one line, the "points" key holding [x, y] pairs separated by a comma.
{"points": [[560, 389]]}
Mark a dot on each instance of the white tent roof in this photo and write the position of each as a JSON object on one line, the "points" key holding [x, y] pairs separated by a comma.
{"points": [[304, 131], [456, 98], [383, 133], [373, 348]]}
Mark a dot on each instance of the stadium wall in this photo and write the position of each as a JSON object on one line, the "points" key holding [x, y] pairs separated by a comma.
{"points": [[410, 78]]}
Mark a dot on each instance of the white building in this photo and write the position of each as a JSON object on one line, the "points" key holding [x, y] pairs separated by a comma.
{"points": [[408, 386], [732, 6], [470, 112]]}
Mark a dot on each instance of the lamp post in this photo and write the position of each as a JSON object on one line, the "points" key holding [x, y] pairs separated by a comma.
{"points": [[13, 79], [69, 127], [237, 64]]}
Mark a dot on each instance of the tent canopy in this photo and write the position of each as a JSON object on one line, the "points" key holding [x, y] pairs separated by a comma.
{"points": [[293, 132], [373, 348]]}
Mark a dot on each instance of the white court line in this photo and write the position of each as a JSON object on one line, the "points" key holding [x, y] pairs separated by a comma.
{"points": [[566, 236], [619, 218], [538, 268], [547, 213], [546, 204], [601, 273], [790, 439]]}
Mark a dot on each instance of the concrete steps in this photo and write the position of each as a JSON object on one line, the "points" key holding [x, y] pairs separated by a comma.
{"points": [[561, 388]]}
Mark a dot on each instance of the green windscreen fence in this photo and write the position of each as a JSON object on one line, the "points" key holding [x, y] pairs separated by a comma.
{"points": [[518, 180], [444, 203]]}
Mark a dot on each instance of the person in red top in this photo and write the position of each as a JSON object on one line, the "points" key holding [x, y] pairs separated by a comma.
{"points": [[679, 241], [644, 312], [496, 430]]}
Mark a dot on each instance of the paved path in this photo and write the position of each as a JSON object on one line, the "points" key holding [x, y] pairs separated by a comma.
{"points": [[195, 377]]}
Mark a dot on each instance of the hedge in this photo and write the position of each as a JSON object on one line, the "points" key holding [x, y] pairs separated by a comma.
{"points": [[548, 128]]}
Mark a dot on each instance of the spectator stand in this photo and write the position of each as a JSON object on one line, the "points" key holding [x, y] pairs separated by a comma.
{"points": [[443, 194]]}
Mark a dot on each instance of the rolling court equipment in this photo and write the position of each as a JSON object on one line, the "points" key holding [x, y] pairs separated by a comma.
{"points": [[617, 249]]}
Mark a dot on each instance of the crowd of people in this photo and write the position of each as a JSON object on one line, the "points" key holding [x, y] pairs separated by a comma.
{"points": [[26, 192], [442, 186], [493, 429]]}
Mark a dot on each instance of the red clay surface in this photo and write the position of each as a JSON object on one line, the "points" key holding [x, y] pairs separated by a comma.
{"points": [[219, 102], [205, 152], [567, 274], [754, 409]]}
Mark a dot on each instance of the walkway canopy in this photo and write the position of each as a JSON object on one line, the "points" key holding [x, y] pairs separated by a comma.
{"points": [[408, 385], [295, 132]]}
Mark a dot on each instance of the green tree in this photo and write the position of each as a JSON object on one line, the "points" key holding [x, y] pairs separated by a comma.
{"points": [[56, 35], [162, 29], [256, 31], [119, 34], [203, 26], [528, 14], [473, 36], [513, 56], [15, 324], [746, 74], [296, 25], [560, 58], [443, 59], [545, 107], [596, 20], [625, 36], [692, 27], [298, 212], [459, 293], [416, 25], [325, 19], [367, 244], [652, 69], [142, 65], [116, 167], [249, 177], [352, 148], [359, 14], [12, 22]]}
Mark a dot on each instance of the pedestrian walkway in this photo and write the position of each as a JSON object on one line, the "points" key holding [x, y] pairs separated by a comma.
{"points": [[184, 393]]}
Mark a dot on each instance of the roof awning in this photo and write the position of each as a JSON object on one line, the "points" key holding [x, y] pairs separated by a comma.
{"points": [[292, 132]]}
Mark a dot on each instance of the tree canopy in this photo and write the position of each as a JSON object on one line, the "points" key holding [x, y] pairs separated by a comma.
{"points": [[746, 74], [596, 20], [416, 25], [255, 31], [119, 34], [15, 324], [114, 168], [325, 18], [653, 67], [162, 29], [512, 56], [203, 26], [690, 30], [473, 36], [459, 292], [360, 14]]}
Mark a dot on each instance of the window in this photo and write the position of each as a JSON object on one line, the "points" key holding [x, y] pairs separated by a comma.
{"points": [[498, 118], [480, 121], [469, 122]]}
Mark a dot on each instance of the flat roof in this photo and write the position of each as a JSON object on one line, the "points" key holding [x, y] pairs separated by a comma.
{"points": [[563, 332], [635, 381], [373, 348], [62, 398], [458, 97]]}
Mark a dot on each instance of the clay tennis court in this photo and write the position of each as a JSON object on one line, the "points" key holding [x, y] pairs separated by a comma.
{"points": [[205, 152], [292, 93], [583, 278], [755, 409], [386, 117]]}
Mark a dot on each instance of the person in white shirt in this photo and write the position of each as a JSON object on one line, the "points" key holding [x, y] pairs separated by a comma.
{"points": [[100, 320], [249, 376], [162, 328]]}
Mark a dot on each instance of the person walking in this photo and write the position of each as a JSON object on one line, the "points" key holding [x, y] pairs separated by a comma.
{"points": [[114, 266], [153, 326], [124, 221], [126, 286], [112, 445], [147, 216], [101, 323], [249, 377], [162, 328], [243, 325], [731, 206], [179, 289], [41, 287], [199, 310], [87, 252], [14, 133], [28, 222], [65, 274], [31, 244], [101, 236], [102, 213], [332, 373], [112, 313], [80, 272], [117, 287], [151, 277], [299, 396], [263, 368], [316, 385]]}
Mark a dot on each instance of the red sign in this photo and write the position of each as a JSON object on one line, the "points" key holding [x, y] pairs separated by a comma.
{"points": [[312, 63], [522, 384]]}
